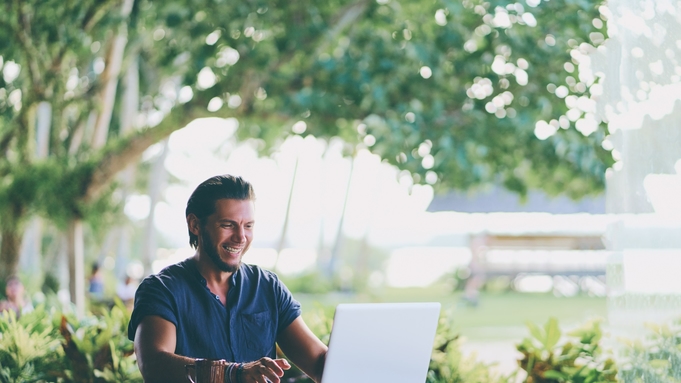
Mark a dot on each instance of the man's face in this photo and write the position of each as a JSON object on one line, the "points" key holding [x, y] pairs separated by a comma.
{"points": [[227, 234]]}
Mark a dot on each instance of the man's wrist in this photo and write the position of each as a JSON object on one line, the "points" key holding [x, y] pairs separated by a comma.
{"points": [[230, 373], [238, 373]]}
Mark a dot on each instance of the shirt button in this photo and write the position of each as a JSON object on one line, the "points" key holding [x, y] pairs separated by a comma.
{"points": [[217, 297]]}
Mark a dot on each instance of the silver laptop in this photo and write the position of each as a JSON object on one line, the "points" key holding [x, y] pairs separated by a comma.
{"points": [[381, 342]]}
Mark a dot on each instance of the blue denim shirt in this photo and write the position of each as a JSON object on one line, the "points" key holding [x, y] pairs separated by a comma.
{"points": [[258, 308]]}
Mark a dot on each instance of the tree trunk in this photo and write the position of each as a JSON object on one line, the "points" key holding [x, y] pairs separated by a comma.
{"points": [[157, 182], [9, 252], [42, 128], [31, 249], [111, 72], [335, 253], [284, 229], [76, 265], [128, 116], [323, 252]]}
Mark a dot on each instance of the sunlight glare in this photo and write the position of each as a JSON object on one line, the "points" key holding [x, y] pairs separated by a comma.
{"points": [[186, 94], [206, 78]]}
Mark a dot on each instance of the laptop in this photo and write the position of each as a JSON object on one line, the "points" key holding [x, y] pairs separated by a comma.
{"points": [[381, 342]]}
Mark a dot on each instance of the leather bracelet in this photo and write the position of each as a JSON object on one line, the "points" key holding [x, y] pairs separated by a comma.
{"points": [[227, 378], [239, 371], [229, 370]]}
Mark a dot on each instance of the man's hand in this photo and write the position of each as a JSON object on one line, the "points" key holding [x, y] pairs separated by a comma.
{"points": [[264, 370]]}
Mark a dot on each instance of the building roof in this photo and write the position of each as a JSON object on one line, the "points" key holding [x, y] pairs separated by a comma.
{"points": [[501, 200]]}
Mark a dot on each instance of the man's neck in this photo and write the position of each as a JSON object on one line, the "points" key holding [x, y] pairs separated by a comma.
{"points": [[216, 279]]}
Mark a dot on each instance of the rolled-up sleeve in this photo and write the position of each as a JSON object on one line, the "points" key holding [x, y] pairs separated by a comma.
{"points": [[288, 309], [153, 297]]}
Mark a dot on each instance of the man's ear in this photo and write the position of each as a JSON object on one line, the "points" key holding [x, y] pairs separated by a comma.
{"points": [[193, 224]]}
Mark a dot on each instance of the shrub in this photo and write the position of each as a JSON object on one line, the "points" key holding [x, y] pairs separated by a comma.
{"points": [[654, 359], [547, 358], [448, 364], [43, 346], [309, 283], [28, 347], [97, 349]]}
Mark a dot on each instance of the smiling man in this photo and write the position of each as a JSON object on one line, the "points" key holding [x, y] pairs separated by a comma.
{"points": [[214, 306]]}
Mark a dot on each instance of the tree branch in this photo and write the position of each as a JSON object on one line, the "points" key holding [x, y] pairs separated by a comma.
{"points": [[123, 152], [23, 34], [119, 154], [96, 14], [114, 60], [6, 139]]}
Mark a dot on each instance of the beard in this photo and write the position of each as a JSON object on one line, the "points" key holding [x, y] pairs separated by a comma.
{"points": [[212, 253]]}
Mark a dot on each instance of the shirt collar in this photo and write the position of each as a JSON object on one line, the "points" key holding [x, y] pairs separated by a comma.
{"points": [[190, 264]]}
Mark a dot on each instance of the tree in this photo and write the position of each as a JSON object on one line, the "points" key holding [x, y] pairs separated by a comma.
{"points": [[459, 94]]}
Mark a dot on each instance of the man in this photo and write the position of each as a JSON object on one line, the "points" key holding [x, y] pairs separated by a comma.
{"points": [[213, 306]]}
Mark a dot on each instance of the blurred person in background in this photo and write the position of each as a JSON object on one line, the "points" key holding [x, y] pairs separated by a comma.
{"points": [[125, 291], [96, 283], [214, 306], [15, 297]]}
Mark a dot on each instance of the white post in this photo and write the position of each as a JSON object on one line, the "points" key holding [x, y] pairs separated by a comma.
{"points": [[76, 265]]}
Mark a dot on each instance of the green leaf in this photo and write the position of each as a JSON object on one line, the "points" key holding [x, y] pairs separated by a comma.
{"points": [[536, 332], [552, 374], [552, 333]]}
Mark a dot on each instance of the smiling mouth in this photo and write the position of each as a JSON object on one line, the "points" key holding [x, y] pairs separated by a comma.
{"points": [[233, 249]]}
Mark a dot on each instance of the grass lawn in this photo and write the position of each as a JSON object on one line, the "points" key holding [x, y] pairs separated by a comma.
{"points": [[498, 316]]}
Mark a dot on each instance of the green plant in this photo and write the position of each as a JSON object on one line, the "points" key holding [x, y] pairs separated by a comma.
{"points": [[28, 346], [309, 283], [449, 365], [43, 346], [97, 350], [547, 358], [654, 359]]}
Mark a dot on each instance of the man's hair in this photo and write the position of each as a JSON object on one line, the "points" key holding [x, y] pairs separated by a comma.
{"points": [[202, 201]]}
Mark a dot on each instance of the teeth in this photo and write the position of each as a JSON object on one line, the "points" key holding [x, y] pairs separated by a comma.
{"points": [[233, 249]]}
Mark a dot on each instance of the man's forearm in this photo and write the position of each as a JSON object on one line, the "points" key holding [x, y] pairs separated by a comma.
{"points": [[164, 367], [319, 367]]}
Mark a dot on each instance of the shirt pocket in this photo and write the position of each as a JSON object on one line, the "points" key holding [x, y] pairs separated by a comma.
{"points": [[258, 334]]}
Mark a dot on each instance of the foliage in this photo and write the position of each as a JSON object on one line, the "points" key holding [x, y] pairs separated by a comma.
{"points": [[448, 365], [547, 358], [654, 359], [28, 348], [54, 346], [405, 81], [312, 282], [97, 348], [449, 91]]}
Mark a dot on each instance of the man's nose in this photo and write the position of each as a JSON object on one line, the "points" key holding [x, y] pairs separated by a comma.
{"points": [[239, 234]]}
